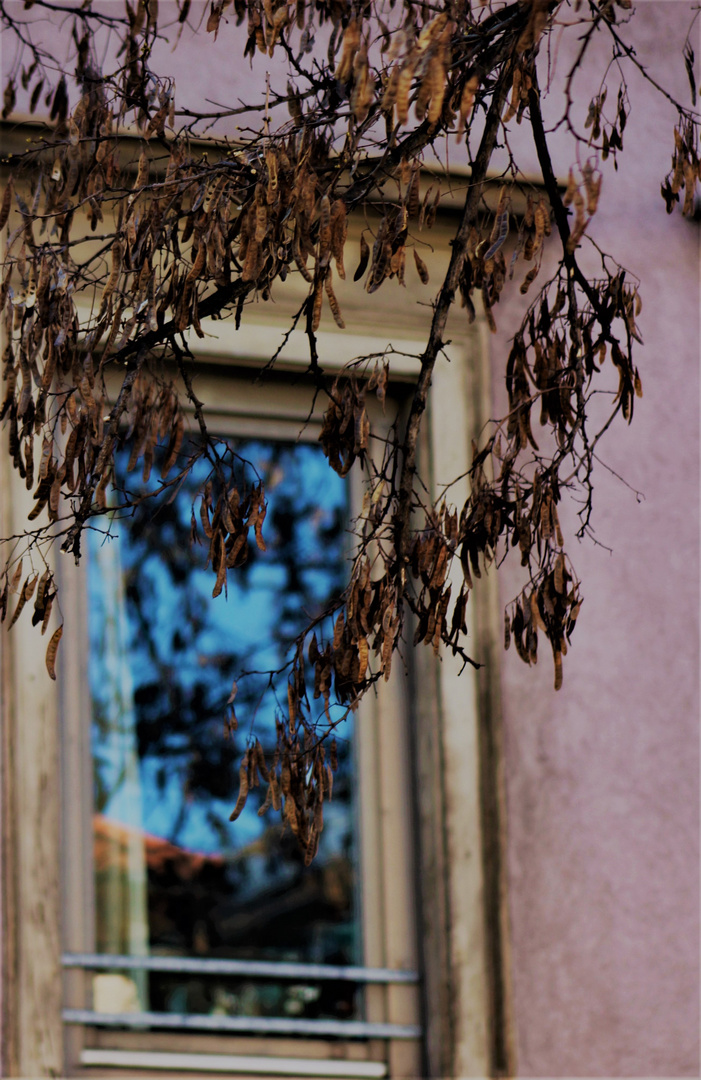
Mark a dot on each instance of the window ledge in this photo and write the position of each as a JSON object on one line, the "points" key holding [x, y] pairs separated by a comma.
{"points": [[233, 1064]]}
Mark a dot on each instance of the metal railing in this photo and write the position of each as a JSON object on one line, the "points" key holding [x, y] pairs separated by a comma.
{"points": [[265, 1025], [262, 969]]}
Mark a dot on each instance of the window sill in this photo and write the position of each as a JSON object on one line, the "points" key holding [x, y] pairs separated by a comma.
{"points": [[233, 1064]]}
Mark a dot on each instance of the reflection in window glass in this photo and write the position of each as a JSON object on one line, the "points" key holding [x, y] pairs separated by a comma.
{"points": [[173, 875]]}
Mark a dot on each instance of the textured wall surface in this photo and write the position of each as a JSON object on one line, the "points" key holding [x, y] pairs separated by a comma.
{"points": [[602, 777]]}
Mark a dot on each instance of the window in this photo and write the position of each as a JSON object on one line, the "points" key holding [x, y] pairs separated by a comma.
{"points": [[225, 945], [435, 765]]}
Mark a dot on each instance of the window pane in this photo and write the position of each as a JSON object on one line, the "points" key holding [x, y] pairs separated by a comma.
{"points": [[173, 875]]}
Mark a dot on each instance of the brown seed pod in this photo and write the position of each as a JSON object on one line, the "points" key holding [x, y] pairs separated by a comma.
{"points": [[363, 93], [25, 595], [142, 172], [251, 262], [529, 279], [412, 195], [317, 298], [403, 87], [47, 612], [421, 268], [571, 188], [51, 651], [390, 95], [243, 788], [558, 573], [333, 302], [114, 273], [351, 43], [364, 258], [324, 230], [437, 78], [261, 215], [339, 231], [556, 524], [198, 264], [6, 203], [363, 654], [467, 101], [218, 543], [16, 577]]}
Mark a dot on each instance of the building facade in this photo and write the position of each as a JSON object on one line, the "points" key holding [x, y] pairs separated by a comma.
{"points": [[513, 885]]}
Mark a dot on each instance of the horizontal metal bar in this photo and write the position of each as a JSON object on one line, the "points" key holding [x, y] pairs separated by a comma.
{"points": [[263, 969], [263, 1025], [234, 1063]]}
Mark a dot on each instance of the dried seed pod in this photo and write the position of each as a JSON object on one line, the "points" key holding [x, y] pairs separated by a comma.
{"points": [[351, 43], [243, 788], [46, 457], [17, 576], [364, 258], [412, 195], [111, 282], [25, 595], [198, 264], [556, 524], [252, 261], [52, 650], [261, 214], [338, 630], [421, 268], [218, 543], [529, 279], [363, 653], [142, 172], [47, 612], [333, 302], [267, 802], [467, 101], [571, 188], [324, 230], [317, 299], [558, 573], [6, 203], [390, 95], [363, 92], [403, 87], [437, 77], [339, 231]]}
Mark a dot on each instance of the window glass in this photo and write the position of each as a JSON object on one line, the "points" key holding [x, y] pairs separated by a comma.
{"points": [[172, 875]]}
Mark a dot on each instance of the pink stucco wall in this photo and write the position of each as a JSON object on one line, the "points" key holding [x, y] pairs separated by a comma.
{"points": [[603, 777]]}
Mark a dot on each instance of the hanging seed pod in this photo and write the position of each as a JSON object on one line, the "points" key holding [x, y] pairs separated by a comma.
{"points": [[403, 87], [324, 230], [421, 268], [317, 298], [6, 203], [364, 258], [339, 232], [333, 302], [111, 282], [142, 172], [51, 651], [243, 788]]}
